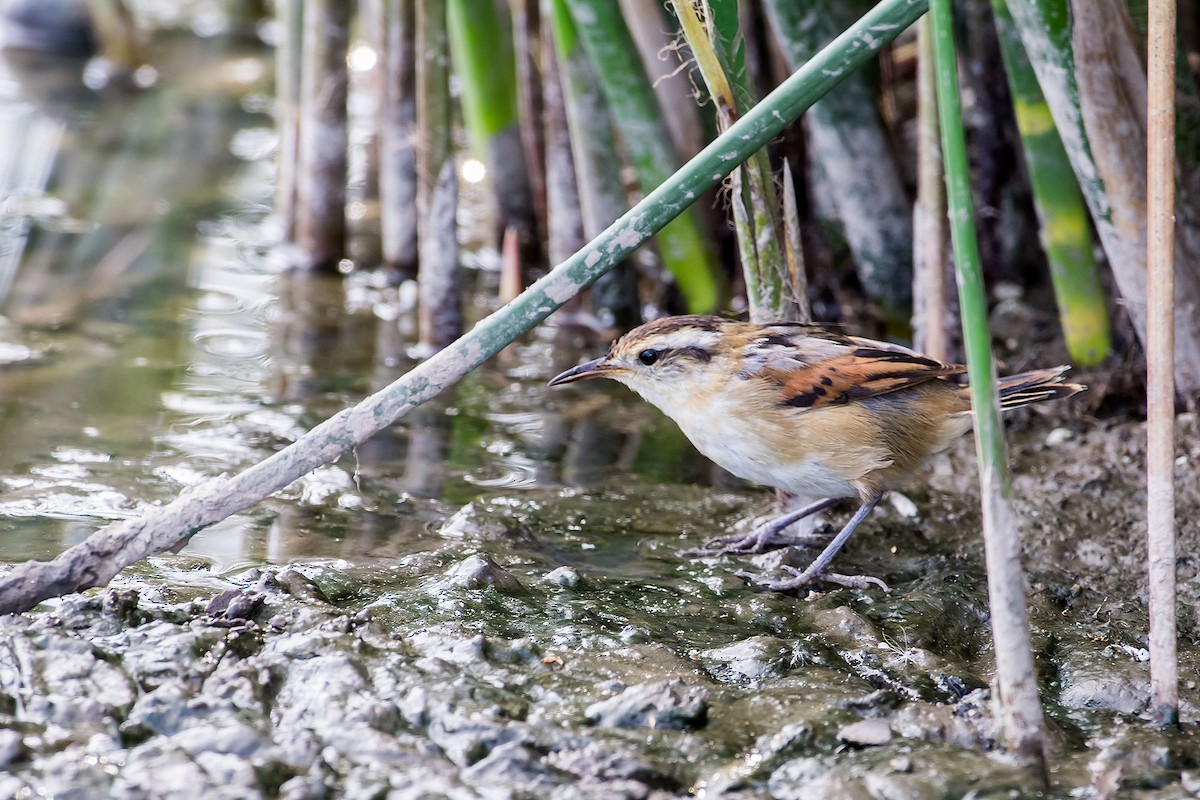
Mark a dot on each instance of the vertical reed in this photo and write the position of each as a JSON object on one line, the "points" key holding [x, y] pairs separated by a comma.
{"points": [[598, 166], [1024, 732], [930, 333], [684, 243], [321, 171], [1065, 231], [440, 294], [397, 146], [287, 110], [1160, 359]]}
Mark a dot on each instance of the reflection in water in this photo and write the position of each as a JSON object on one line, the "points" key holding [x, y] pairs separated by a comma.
{"points": [[156, 342]]}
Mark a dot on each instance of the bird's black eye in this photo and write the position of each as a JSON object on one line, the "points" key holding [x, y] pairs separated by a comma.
{"points": [[648, 357]]}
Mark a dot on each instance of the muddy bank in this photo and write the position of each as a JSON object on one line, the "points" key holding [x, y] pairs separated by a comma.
{"points": [[553, 643]]}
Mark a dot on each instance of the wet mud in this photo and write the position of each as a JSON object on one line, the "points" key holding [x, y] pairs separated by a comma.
{"points": [[553, 643]]}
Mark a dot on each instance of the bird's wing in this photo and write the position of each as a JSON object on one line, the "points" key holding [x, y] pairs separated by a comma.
{"points": [[814, 367]]}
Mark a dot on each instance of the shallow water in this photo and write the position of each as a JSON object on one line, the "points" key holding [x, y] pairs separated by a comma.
{"points": [[488, 599], [151, 338]]}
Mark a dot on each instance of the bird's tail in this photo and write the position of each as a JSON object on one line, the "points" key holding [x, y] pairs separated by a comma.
{"points": [[1035, 386]]}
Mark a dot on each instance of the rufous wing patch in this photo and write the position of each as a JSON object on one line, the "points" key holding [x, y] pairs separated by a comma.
{"points": [[856, 374]]}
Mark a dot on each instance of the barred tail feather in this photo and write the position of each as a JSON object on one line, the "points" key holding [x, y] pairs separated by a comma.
{"points": [[1035, 386]]}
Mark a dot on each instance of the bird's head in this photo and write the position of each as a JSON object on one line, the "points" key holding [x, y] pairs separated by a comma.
{"points": [[671, 355]]}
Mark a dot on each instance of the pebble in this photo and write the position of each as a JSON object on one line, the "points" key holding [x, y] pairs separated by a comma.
{"points": [[866, 733], [672, 706], [1058, 436], [480, 572], [566, 577], [902, 505]]}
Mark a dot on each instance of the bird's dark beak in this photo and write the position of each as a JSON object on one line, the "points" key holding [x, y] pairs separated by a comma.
{"points": [[583, 372]]}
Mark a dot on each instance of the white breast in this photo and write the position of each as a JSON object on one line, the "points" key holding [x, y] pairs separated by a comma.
{"points": [[716, 425]]}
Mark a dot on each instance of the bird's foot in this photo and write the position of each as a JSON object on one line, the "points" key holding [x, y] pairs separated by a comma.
{"points": [[760, 540], [810, 576], [767, 536]]}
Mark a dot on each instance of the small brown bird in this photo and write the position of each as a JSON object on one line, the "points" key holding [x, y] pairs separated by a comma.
{"points": [[814, 412]]}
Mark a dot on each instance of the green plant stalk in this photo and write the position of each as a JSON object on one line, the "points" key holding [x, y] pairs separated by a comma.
{"points": [[481, 46], [981, 369], [719, 54], [684, 247], [724, 28], [602, 198], [1022, 712], [485, 61], [1066, 233], [115, 546]]}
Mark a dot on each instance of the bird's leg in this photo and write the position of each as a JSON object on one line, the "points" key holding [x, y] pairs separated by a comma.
{"points": [[763, 537], [817, 569]]}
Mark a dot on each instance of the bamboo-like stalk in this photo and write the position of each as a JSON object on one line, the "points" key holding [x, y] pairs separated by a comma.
{"points": [[685, 248], [1160, 359], [290, 14], [1065, 233], [321, 174], [96, 560], [530, 44], [397, 144], [439, 310], [564, 214], [930, 331], [439, 284], [482, 50], [601, 193], [1024, 732]]}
